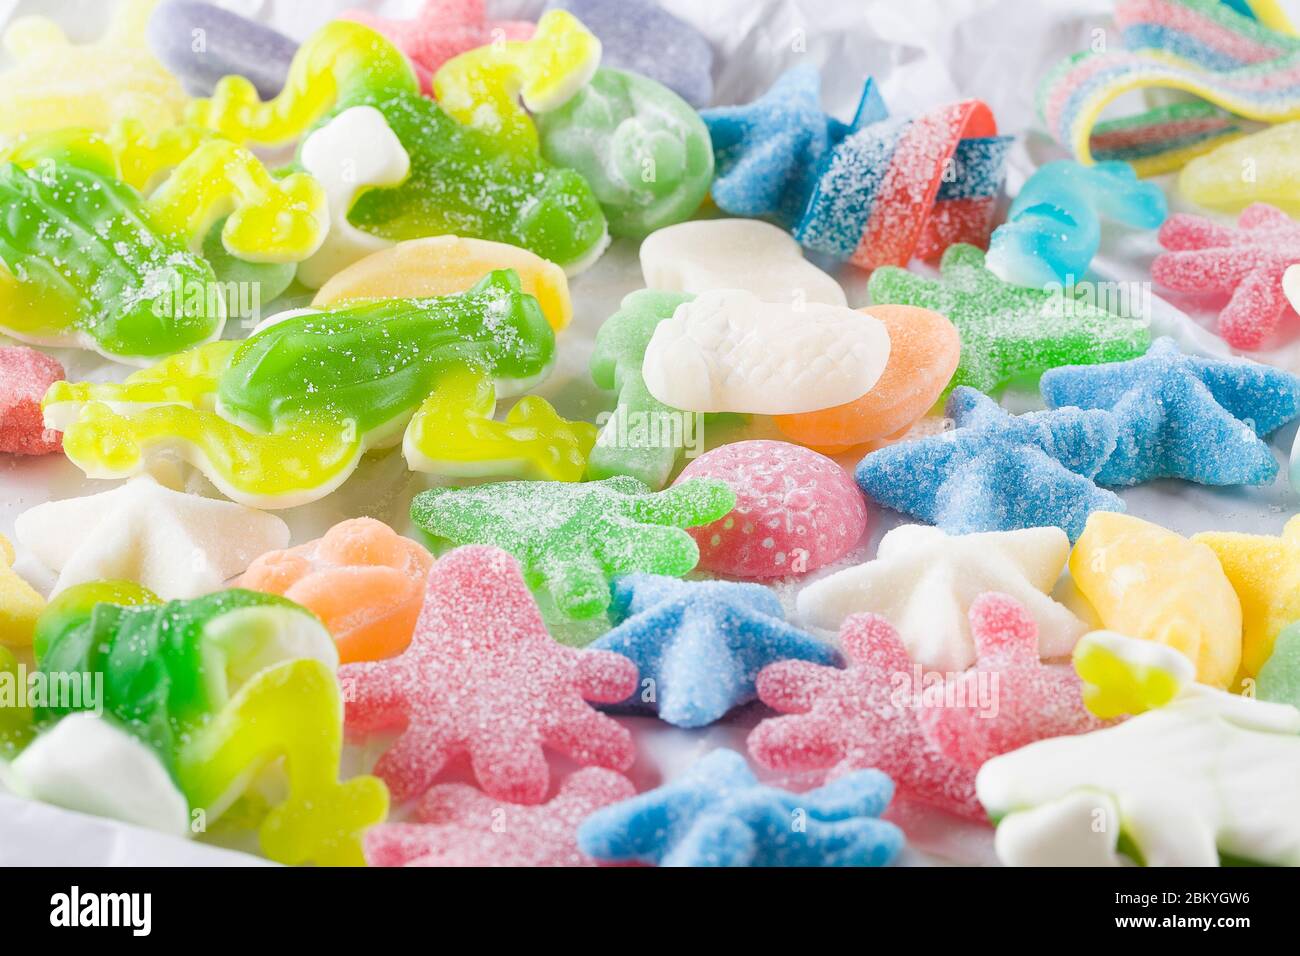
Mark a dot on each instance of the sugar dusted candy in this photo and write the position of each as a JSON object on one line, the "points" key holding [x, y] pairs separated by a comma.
{"points": [[571, 539], [718, 814], [795, 510], [726, 351], [1215, 180], [698, 645], [1147, 582], [483, 677], [25, 374], [362, 579], [924, 582]]}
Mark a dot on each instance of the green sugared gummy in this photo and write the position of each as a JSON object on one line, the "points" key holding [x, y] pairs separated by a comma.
{"points": [[644, 150], [1010, 332], [626, 445], [1279, 679], [375, 362], [89, 261], [572, 539]]}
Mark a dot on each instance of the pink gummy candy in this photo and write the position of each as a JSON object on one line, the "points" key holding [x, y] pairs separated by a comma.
{"points": [[865, 715], [1247, 262], [462, 826], [1010, 698], [442, 29], [795, 510], [482, 676], [25, 374]]}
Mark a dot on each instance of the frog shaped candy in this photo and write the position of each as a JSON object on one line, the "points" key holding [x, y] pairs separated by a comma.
{"points": [[89, 258], [220, 688], [486, 180], [284, 417]]}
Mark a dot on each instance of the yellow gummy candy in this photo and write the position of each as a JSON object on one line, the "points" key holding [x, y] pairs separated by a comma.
{"points": [[291, 711], [54, 83], [1272, 156], [1265, 573], [482, 87], [454, 433], [1147, 582], [20, 604], [444, 265], [1122, 675]]}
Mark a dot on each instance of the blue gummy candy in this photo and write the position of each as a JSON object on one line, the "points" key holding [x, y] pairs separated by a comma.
{"points": [[700, 644], [998, 472], [718, 814], [1183, 416], [201, 43], [637, 35], [1053, 228]]}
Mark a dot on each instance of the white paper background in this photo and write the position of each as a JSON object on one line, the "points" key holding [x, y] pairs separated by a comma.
{"points": [[924, 53]]}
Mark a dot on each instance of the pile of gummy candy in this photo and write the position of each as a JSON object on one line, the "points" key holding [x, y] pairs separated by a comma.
{"points": [[1023, 654]]}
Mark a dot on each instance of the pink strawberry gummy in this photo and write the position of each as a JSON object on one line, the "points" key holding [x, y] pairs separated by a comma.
{"points": [[25, 374], [462, 826], [1010, 698], [795, 510], [442, 29], [1248, 262], [865, 715], [482, 676]]}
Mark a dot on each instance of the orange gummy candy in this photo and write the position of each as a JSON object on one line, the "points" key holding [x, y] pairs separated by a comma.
{"points": [[923, 352], [362, 579]]}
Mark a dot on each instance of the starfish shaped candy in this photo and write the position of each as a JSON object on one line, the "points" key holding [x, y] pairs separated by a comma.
{"points": [[700, 644], [1248, 261], [718, 814], [861, 716], [1008, 331], [177, 545], [1183, 416], [461, 826], [998, 472], [1010, 698], [1265, 573], [482, 676], [768, 153], [924, 582], [573, 538]]}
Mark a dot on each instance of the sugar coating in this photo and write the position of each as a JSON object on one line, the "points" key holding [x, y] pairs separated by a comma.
{"points": [[1161, 139], [748, 254], [461, 826], [1279, 678], [1008, 331], [1151, 583], [20, 603], [1215, 180], [641, 37], [1031, 700], [573, 539], [1264, 571], [25, 375], [865, 715], [1183, 416], [1248, 262], [795, 510], [925, 582], [1206, 780], [924, 348], [643, 149], [998, 472], [482, 677], [232, 44], [362, 579], [727, 351], [1053, 228], [633, 441], [699, 645], [440, 30], [175, 544], [718, 814]]}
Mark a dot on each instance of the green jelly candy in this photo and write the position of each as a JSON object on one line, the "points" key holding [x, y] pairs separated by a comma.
{"points": [[572, 539], [1279, 678]]}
